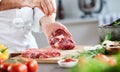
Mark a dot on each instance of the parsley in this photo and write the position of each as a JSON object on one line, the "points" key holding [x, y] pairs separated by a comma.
{"points": [[92, 53], [108, 36]]}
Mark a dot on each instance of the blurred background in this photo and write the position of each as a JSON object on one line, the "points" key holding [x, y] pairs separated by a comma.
{"points": [[72, 9], [82, 18]]}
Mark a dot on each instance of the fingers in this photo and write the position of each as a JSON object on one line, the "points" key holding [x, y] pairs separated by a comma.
{"points": [[46, 20], [44, 7], [48, 7], [53, 5]]}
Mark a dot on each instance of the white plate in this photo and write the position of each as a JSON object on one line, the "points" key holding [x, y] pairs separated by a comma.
{"points": [[67, 64]]}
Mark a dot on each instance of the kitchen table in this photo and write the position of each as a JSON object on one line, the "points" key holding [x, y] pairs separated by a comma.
{"points": [[51, 68]]}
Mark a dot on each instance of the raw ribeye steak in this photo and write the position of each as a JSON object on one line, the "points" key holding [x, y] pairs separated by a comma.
{"points": [[41, 53], [58, 36]]}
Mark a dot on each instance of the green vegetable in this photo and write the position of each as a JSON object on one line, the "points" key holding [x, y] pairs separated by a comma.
{"points": [[93, 65], [92, 53], [115, 23], [90, 65], [108, 36]]}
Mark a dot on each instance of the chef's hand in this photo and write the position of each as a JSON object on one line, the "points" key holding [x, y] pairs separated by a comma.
{"points": [[11, 4], [47, 6], [49, 25]]}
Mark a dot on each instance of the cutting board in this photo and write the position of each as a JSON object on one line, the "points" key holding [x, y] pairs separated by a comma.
{"points": [[64, 53]]}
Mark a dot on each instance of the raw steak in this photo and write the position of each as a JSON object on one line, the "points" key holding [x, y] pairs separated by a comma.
{"points": [[60, 40], [58, 35], [40, 53]]}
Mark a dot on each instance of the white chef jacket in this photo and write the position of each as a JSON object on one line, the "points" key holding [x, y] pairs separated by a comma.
{"points": [[16, 26]]}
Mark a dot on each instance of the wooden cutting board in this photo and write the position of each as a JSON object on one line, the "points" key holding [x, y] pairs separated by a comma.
{"points": [[64, 53]]}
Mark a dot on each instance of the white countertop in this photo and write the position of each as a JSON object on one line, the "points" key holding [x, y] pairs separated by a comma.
{"points": [[76, 21]]}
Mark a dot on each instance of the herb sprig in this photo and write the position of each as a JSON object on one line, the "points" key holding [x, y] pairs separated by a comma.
{"points": [[92, 53]]}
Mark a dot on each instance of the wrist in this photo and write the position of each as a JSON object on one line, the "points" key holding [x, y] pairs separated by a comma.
{"points": [[46, 20]]}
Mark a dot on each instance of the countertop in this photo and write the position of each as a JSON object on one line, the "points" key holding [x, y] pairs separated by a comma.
{"points": [[77, 21], [51, 68]]}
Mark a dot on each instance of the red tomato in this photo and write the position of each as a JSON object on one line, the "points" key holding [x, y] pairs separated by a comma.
{"points": [[32, 65], [104, 58], [17, 67], [4, 66], [1, 61]]}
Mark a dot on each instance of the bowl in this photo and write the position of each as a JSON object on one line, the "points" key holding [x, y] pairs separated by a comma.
{"points": [[115, 32], [70, 64]]}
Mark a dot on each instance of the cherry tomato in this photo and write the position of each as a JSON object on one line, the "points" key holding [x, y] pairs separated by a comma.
{"points": [[104, 58], [4, 66], [32, 65], [17, 67], [1, 61]]}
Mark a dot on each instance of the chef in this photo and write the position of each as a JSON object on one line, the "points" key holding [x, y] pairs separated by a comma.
{"points": [[18, 18]]}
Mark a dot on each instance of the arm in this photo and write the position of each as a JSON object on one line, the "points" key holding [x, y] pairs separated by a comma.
{"points": [[10, 4], [40, 17]]}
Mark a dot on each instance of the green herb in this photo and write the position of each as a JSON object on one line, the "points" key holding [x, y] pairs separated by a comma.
{"points": [[70, 56], [115, 23], [3, 50], [11, 61], [92, 53], [92, 65], [108, 36]]}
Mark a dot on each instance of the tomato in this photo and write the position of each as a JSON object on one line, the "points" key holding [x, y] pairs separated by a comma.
{"points": [[17, 67], [4, 66], [104, 58], [1, 61], [32, 65]]}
